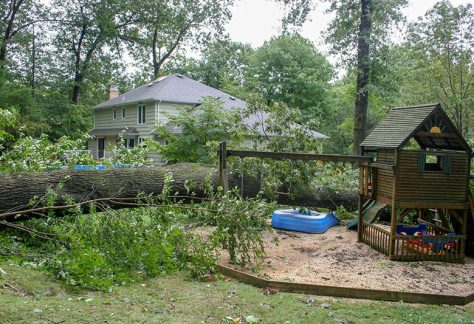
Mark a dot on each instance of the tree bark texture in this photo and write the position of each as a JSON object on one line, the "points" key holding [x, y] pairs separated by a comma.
{"points": [[17, 189], [7, 35], [363, 70]]}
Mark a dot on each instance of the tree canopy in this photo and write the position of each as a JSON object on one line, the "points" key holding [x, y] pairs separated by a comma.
{"points": [[442, 45], [59, 58], [289, 69]]}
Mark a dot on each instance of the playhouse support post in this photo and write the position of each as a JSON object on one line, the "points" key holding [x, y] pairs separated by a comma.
{"points": [[222, 176], [420, 213], [464, 232], [359, 219], [393, 224], [393, 228], [360, 202]]}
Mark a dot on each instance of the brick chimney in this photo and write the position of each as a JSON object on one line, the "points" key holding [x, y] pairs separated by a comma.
{"points": [[113, 92]]}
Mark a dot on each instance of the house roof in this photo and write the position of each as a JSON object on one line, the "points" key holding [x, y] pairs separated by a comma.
{"points": [[257, 122], [179, 89], [175, 88], [403, 123]]}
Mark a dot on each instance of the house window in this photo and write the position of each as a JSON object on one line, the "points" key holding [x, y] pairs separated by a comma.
{"points": [[123, 113], [429, 162], [141, 140], [115, 114], [141, 114], [130, 142]]}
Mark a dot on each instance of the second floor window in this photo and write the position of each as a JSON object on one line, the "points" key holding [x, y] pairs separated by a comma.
{"points": [[123, 113], [115, 113], [434, 162], [141, 114]]}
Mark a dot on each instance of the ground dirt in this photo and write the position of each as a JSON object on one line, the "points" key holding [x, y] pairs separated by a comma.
{"points": [[336, 259]]}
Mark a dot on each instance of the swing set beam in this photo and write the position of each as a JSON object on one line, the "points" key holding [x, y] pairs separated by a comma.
{"points": [[301, 156], [224, 153]]}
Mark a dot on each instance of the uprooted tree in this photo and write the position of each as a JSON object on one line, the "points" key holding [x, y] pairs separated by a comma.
{"points": [[19, 190]]}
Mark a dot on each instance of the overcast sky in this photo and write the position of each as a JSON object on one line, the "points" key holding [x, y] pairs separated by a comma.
{"points": [[255, 21]]}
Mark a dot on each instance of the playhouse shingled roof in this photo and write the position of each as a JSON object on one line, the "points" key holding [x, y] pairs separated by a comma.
{"points": [[403, 123]]}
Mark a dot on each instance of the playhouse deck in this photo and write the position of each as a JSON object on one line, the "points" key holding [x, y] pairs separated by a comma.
{"points": [[437, 247]]}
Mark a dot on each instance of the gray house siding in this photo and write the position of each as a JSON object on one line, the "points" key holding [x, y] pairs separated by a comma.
{"points": [[157, 113], [162, 98], [104, 118], [164, 109]]}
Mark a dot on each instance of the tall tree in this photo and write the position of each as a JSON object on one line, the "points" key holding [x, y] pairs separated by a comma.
{"points": [[360, 28], [166, 25], [443, 47], [363, 69], [15, 18], [86, 29], [222, 65], [20, 18], [289, 69]]}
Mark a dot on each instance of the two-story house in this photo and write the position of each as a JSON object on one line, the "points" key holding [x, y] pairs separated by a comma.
{"points": [[133, 115]]}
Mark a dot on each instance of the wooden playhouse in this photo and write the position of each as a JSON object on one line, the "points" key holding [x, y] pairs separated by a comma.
{"points": [[420, 165]]}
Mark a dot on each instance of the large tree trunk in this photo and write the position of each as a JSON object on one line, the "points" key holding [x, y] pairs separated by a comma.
{"points": [[155, 58], [9, 32], [3, 54], [77, 87], [18, 189], [363, 69]]}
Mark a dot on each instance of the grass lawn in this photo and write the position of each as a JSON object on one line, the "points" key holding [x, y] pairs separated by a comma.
{"points": [[31, 296]]}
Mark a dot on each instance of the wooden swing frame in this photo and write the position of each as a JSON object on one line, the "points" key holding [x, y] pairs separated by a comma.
{"points": [[385, 240]]}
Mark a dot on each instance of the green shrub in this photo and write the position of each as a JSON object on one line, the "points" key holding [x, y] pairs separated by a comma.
{"points": [[40, 154], [114, 247], [239, 225]]}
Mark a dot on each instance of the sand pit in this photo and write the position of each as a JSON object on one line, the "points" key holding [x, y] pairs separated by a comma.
{"points": [[336, 259]]}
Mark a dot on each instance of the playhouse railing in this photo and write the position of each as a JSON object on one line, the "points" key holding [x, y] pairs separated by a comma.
{"points": [[376, 237], [446, 248], [432, 247]]}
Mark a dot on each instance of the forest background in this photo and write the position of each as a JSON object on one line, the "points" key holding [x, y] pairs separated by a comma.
{"points": [[59, 58]]}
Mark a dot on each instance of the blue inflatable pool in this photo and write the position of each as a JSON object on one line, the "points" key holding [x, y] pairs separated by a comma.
{"points": [[308, 221], [89, 167]]}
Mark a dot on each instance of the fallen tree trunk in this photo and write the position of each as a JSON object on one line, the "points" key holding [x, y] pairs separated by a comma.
{"points": [[18, 190]]}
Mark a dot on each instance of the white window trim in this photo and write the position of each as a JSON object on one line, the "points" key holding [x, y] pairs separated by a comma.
{"points": [[114, 114], [138, 114]]}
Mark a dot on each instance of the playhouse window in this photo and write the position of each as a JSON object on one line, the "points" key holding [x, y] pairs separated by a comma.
{"points": [[434, 162]]}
